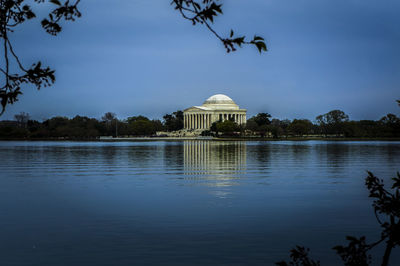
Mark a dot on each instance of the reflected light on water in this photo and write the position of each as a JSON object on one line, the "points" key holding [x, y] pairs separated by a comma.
{"points": [[215, 164]]}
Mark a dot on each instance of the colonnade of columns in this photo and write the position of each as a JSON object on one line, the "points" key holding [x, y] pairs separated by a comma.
{"points": [[197, 121], [205, 120]]}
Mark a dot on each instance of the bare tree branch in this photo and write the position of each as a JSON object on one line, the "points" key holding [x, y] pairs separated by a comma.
{"points": [[204, 12]]}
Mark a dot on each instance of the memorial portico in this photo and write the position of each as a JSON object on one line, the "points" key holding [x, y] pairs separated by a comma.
{"points": [[216, 108]]}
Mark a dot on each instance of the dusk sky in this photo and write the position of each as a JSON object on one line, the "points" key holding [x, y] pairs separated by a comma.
{"points": [[141, 57]]}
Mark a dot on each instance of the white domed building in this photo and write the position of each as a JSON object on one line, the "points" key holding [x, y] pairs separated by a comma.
{"points": [[218, 107]]}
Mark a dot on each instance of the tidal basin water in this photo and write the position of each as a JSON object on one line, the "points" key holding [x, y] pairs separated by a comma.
{"points": [[186, 202]]}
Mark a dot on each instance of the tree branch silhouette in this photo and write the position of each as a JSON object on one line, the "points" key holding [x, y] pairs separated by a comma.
{"points": [[204, 12], [387, 204], [12, 14]]}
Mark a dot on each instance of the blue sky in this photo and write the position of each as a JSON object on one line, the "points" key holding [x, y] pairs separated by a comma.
{"points": [[141, 57]]}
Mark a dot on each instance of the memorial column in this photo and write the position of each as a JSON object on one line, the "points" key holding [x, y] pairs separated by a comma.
{"points": [[185, 122]]}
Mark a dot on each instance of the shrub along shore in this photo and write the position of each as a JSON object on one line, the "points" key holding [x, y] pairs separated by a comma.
{"points": [[334, 125]]}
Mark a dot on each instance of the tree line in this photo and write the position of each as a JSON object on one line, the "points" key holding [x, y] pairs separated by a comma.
{"points": [[332, 124], [83, 127]]}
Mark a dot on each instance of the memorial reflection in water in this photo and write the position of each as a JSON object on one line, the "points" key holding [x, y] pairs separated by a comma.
{"points": [[219, 163]]}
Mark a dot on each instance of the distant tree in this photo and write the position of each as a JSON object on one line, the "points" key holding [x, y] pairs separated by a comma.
{"points": [[390, 119], [33, 125], [336, 116], [213, 127], [264, 130], [284, 124], [260, 124], [278, 127], [251, 124], [174, 121], [322, 123], [108, 117], [300, 127], [276, 131], [56, 122], [158, 125], [111, 123], [387, 127], [82, 127], [10, 132], [262, 119], [390, 125], [361, 129], [227, 127], [22, 119], [137, 118], [143, 126], [179, 118], [332, 122]]}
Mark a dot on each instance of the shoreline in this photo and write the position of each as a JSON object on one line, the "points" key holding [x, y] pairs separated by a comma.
{"points": [[200, 138]]}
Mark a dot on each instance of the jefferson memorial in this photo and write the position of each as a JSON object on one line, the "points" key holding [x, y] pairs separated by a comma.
{"points": [[218, 107]]}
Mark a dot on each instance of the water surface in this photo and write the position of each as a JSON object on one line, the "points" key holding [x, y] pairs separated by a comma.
{"points": [[186, 202]]}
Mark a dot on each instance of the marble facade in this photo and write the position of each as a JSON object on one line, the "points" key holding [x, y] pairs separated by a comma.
{"points": [[218, 107]]}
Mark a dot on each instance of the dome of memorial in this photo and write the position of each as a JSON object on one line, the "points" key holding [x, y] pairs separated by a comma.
{"points": [[219, 99], [220, 102]]}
